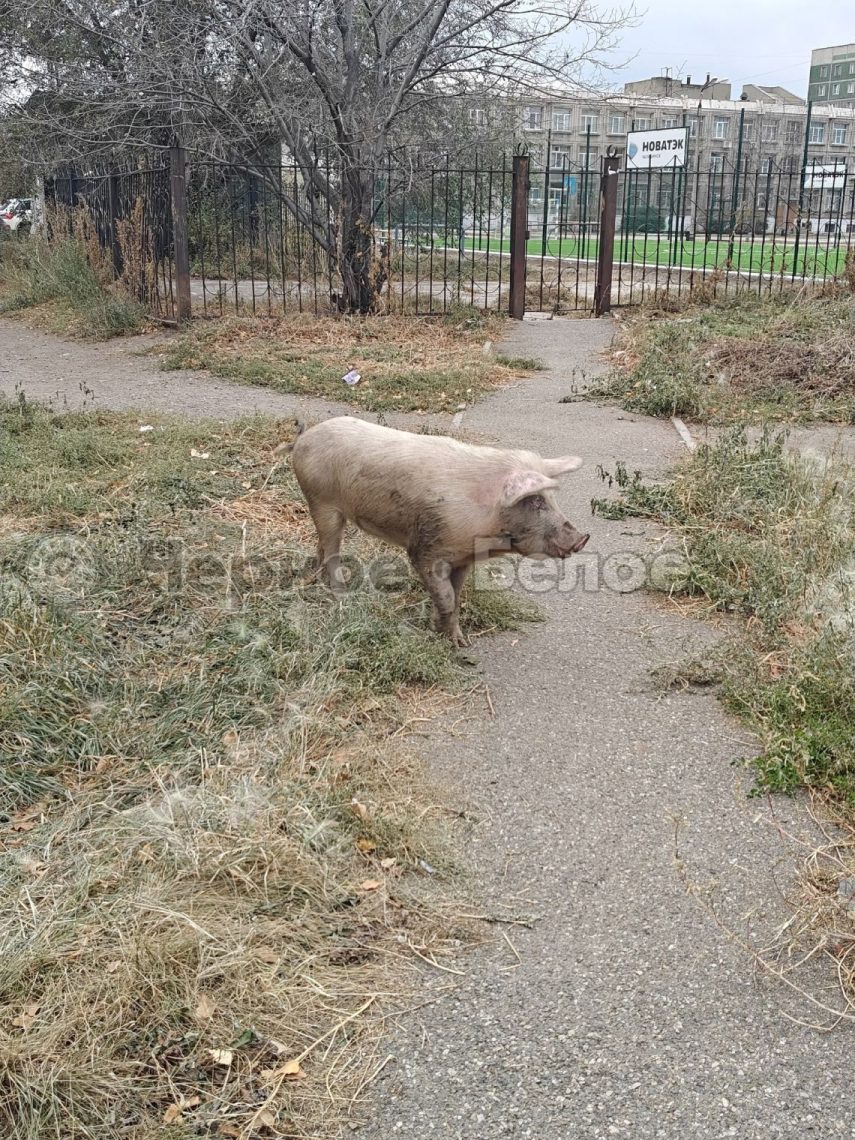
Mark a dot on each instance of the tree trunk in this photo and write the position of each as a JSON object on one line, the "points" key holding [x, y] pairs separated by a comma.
{"points": [[363, 273]]}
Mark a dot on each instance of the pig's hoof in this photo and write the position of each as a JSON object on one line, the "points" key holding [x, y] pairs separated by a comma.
{"points": [[458, 639]]}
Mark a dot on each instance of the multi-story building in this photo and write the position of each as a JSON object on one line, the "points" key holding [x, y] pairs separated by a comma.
{"points": [[832, 75], [752, 149]]}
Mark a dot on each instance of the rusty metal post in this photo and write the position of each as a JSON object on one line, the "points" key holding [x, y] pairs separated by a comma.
{"points": [[178, 187], [608, 215], [115, 243], [519, 235]]}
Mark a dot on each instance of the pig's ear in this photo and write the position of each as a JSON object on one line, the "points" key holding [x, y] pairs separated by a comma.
{"points": [[562, 466], [521, 484]]}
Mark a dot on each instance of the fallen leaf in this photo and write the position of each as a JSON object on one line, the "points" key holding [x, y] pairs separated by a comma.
{"points": [[387, 863], [191, 1102], [172, 1114], [370, 885], [246, 486], [230, 738], [290, 1069], [267, 1119], [113, 966], [23, 825], [359, 809], [366, 846], [221, 1056], [267, 955], [26, 1019], [103, 764], [204, 1008]]}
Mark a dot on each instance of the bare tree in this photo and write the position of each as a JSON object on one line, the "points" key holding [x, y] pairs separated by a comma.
{"points": [[230, 76]]}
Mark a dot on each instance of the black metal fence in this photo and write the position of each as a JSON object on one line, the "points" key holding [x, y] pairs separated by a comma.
{"points": [[261, 238], [267, 239], [129, 213]]}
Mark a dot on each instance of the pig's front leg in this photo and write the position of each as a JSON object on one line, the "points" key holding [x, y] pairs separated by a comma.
{"points": [[438, 578]]}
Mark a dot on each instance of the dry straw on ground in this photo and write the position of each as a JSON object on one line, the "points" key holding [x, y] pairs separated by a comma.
{"points": [[221, 862]]}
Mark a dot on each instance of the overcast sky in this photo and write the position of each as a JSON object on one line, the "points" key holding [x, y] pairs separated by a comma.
{"points": [[745, 41]]}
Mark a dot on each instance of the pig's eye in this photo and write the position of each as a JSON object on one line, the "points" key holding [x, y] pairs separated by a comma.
{"points": [[535, 502]]}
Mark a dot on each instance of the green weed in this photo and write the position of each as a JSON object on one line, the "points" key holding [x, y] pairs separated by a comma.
{"points": [[770, 536]]}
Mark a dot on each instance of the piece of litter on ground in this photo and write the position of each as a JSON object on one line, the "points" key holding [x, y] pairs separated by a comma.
{"points": [[352, 377], [194, 454], [146, 427], [427, 867]]}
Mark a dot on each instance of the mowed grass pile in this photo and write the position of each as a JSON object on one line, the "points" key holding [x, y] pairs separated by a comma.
{"points": [[405, 363], [217, 857], [778, 358], [62, 286], [770, 536]]}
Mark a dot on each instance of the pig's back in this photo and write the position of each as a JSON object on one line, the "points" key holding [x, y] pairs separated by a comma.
{"points": [[397, 485]]}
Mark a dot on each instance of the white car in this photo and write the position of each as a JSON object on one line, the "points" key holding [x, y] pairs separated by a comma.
{"points": [[17, 215]]}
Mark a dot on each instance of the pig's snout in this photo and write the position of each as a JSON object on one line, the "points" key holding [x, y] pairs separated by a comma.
{"points": [[569, 541]]}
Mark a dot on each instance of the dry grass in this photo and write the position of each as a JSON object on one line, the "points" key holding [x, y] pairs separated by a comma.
{"points": [[741, 359], [406, 363], [221, 862], [64, 282]]}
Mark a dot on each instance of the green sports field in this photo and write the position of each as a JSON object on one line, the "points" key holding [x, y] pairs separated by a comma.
{"points": [[816, 254]]}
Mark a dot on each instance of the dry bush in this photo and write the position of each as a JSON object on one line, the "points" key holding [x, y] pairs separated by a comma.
{"points": [[139, 264], [849, 270]]}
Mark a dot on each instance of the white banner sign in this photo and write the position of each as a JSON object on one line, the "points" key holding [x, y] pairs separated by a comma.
{"points": [[653, 149], [825, 176]]}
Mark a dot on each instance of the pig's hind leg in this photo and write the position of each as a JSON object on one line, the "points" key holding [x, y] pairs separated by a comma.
{"points": [[329, 523]]}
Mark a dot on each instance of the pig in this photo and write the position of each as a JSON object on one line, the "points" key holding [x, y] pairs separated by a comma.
{"points": [[447, 503]]}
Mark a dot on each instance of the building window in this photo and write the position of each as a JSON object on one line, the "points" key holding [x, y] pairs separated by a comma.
{"points": [[769, 131], [642, 124], [669, 123], [852, 68], [817, 133], [768, 164], [533, 118], [694, 126], [850, 88], [823, 71], [477, 117], [561, 120], [716, 163], [590, 123], [559, 155], [835, 89], [838, 135], [617, 125], [589, 156], [721, 128], [820, 90], [794, 131]]}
